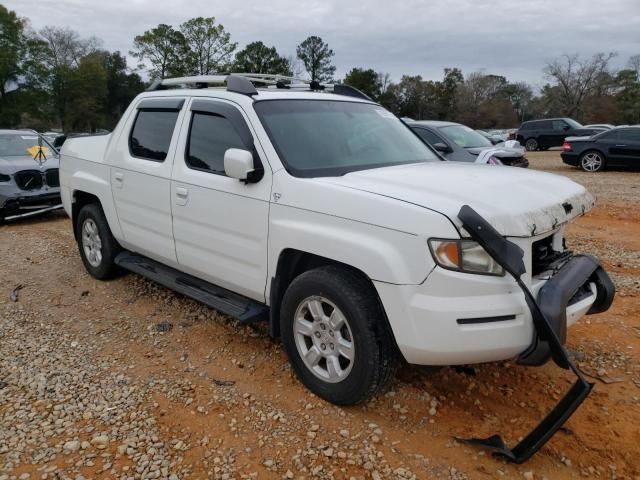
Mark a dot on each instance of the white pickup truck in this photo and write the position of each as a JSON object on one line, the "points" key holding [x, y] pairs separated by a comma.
{"points": [[317, 210]]}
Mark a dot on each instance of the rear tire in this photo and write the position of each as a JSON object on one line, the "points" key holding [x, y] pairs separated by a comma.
{"points": [[592, 161], [336, 335], [531, 144], [98, 248]]}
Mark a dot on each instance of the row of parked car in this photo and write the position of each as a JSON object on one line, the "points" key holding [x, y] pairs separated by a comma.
{"points": [[29, 160]]}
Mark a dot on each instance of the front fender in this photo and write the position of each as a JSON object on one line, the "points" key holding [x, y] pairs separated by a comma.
{"points": [[92, 178], [383, 254]]}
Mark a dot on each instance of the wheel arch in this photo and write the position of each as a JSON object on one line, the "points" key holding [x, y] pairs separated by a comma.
{"points": [[79, 199], [292, 263]]}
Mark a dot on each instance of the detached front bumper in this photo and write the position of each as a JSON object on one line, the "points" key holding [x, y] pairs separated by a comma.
{"points": [[548, 311]]}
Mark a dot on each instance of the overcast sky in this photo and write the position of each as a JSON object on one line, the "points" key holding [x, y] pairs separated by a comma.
{"points": [[506, 37]]}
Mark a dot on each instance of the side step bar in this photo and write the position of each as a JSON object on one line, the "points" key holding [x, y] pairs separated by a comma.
{"points": [[224, 301]]}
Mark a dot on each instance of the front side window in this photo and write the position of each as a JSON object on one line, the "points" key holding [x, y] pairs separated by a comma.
{"points": [[559, 125], [428, 136], [210, 137], [151, 134], [465, 137], [331, 138]]}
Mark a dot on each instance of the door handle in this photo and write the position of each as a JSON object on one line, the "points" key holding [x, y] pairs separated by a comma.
{"points": [[182, 195], [118, 177], [620, 145]]}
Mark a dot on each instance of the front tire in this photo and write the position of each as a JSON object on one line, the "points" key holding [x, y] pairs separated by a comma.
{"points": [[531, 144], [98, 248], [336, 336], [592, 161]]}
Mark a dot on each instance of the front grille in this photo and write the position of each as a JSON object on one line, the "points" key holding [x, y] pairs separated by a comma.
{"points": [[29, 179], [53, 180], [544, 257]]}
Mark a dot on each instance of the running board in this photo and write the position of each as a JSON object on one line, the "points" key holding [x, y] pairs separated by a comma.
{"points": [[224, 301]]}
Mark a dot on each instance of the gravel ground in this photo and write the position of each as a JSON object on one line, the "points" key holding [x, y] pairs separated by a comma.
{"points": [[127, 380]]}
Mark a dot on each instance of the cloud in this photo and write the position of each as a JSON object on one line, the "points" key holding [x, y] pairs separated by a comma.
{"points": [[414, 36]]}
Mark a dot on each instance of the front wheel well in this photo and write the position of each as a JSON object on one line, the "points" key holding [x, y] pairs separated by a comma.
{"points": [[79, 200], [291, 264]]}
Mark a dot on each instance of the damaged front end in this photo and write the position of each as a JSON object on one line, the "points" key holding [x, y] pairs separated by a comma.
{"points": [[29, 175], [573, 274]]}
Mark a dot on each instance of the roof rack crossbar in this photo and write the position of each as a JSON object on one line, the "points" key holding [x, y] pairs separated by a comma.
{"points": [[245, 83]]}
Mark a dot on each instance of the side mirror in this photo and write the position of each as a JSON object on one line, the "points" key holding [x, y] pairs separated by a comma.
{"points": [[441, 147], [566, 127], [238, 163]]}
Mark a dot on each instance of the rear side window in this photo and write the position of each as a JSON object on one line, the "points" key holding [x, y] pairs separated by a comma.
{"points": [[630, 135], [210, 137], [151, 134]]}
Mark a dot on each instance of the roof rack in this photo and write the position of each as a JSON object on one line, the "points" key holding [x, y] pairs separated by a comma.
{"points": [[246, 83]]}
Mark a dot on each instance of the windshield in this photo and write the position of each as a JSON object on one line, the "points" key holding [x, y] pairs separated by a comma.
{"points": [[465, 137], [572, 123], [23, 144], [331, 138]]}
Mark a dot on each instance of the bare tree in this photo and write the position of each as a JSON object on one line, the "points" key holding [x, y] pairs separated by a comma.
{"points": [[66, 48], [634, 64], [384, 80], [578, 78]]}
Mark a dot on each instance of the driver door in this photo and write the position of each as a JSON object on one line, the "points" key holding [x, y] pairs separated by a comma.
{"points": [[220, 224]]}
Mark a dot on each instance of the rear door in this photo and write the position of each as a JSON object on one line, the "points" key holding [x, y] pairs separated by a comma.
{"points": [[544, 133], [141, 177], [626, 148], [559, 131], [220, 224]]}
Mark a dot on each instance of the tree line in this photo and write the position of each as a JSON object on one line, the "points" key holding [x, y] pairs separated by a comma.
{"points": [[54, 78]]}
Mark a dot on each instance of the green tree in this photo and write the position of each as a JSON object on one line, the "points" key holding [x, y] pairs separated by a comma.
{"points": [[122, 86], [256, 57], [88, 94], [628, 97], [412, 97], [164, 48], [316, 57], [208, 46], [367, 81], [21, 69], [445, 94]]}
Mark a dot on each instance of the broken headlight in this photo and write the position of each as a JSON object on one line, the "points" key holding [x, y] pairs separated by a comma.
{"points": [[463, 256]]}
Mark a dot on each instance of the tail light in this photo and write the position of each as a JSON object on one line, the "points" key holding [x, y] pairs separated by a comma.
{"points": [[566, 147]]}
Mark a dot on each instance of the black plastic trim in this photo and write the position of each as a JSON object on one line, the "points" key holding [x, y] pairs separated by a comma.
{"points": [[475, 321], [225, 301], [172, 104], [510, 256]]}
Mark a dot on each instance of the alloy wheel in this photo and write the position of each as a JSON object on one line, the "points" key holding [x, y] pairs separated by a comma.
{"points": [[91, 242], [591, 162], [324, 339]]}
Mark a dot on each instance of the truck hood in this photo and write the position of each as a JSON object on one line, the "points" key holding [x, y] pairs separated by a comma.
{"points": [[518, 203], [13, 164]]}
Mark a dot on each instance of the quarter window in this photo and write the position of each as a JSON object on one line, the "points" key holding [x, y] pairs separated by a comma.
{"points": [[151, 134], [210, 137]]}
